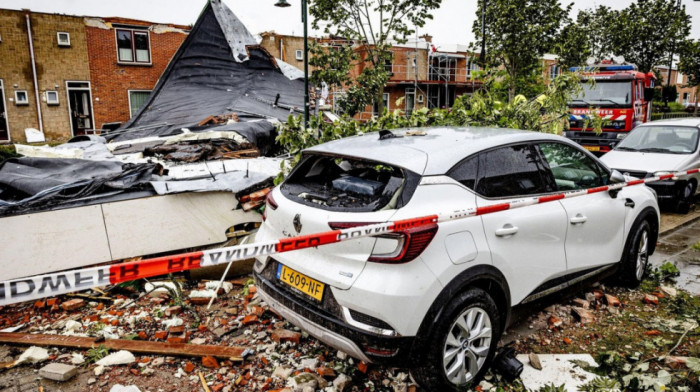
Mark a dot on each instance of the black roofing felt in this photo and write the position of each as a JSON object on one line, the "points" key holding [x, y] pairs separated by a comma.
{"points": [[210, 75]]}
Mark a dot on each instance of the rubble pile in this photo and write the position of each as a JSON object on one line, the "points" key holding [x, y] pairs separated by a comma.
{"points": [[274, 355]]}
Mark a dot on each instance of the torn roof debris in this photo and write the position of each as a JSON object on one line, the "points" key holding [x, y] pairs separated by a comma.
{"points": [[219, 70]]}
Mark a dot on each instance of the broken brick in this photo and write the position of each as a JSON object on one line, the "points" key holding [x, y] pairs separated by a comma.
{"points": [[161, 335], [250, 319], [178, 329], [567, 340], [135, 372], [653, 332], [252, 289], [40, 304], [583, 315], [555, 322], [362, 367], [325, 372], [73, 304], [284, 335], [650, 299], [173, 310], [581, 303], [189, 367], [177, 339], [611, 300], [142, 335], [52, 301], [200, 300], [210, 362]]}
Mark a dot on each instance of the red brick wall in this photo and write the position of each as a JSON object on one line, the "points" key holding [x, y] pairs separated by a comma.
{"points": [[112, 81]]}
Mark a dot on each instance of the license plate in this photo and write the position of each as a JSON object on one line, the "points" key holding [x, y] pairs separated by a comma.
{"points": [[301, 282], [592, 148]]}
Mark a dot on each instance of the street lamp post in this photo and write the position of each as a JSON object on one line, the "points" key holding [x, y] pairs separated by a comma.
{"points": [[304, 19]]}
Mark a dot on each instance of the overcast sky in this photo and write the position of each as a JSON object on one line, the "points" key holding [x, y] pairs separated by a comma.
{"points": [[451, 23]]}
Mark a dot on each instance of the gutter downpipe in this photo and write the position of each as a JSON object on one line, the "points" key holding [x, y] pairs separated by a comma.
{"points": [[36, 84]]}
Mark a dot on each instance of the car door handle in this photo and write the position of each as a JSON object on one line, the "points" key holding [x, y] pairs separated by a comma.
{"points": [[507, 230], [578, 219]]}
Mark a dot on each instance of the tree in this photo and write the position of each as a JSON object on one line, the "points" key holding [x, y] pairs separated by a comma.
{"points": [[596, 25], [368, 28], [648, 31], [689, 65], [573, 45], [518, 33]]}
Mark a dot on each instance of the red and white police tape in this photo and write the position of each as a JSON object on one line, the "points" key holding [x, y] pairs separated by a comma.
{"points": [[42, 286]]}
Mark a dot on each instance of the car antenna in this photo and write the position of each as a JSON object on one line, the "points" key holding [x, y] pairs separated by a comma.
{"points": [[387, 134]]}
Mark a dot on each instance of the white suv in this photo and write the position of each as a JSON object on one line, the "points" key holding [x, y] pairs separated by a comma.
{"points": [[437, 298]]}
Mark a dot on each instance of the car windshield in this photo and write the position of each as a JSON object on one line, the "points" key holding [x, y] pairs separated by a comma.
{"points": [[663, 139], [604, 94]]}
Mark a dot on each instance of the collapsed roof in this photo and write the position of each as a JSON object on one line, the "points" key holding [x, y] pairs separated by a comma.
{"points": [[218, 70]]}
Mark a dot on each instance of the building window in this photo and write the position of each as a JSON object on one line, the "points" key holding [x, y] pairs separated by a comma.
{"points": [[133, 46], [389, 66], [375, 107], [300, 55], [554, 71], [136, 100], [21, 97], [63, 38], [472, 66], [52, 97], [686, 98]]}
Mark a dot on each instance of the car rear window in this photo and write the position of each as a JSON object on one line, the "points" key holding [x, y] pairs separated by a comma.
{"points": [[339, 183]]}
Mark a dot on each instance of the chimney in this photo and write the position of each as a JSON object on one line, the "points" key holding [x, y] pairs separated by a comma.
{"points": [[427, 37]]}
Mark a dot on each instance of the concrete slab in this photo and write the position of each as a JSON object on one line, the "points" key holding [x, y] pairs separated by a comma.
{"points": [[556, 369], [58, 371]]}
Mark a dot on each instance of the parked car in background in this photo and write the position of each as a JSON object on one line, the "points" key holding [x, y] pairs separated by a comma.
{"points": [[662, 147], [437, 298], [690, 108]]}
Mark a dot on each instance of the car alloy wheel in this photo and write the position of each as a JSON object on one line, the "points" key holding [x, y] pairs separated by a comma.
{"points": [[467, 345], [642, 254]]}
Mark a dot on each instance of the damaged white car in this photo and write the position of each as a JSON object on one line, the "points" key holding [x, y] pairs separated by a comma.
{"points": [[438, 298]]}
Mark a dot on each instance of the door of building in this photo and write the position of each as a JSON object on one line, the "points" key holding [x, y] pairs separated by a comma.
{"points": [[4, 129], [80, 105]]}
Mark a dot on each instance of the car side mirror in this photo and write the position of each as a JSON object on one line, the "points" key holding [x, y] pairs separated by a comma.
{"points": [[648, 94], [616, 177]]}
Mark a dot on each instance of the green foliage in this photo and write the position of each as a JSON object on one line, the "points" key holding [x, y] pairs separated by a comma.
{"points": [[696, 246], [573, 45], [660, 274], [552, 388], [546, 112], [595, 23], [95, 328], [648, 31], [601, 384], [7, 152], [690, 64], [368, 28], [158, 313], [517, 35], [96, 353]]}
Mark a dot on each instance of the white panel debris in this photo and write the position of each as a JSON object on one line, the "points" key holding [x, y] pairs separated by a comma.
{"points": [[236, 33]]}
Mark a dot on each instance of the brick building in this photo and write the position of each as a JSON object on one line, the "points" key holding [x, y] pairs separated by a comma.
{"points": [[686, 95], [67, 75], [421, 74], [126, 58], [36, 94]]}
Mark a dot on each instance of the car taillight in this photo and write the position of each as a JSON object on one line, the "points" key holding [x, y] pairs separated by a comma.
{"points": [[269, 203], [411, 243]]}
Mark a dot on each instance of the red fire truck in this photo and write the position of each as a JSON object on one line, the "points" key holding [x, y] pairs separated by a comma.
{"points": [[621, 95]]}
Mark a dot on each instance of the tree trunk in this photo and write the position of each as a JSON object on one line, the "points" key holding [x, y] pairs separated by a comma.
{"points": [[695, 108]]}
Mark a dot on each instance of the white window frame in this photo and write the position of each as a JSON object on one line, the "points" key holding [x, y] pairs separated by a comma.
{"points": [[7, 121], [299, 54], [60, 42], [131, 114], [19, 102], [133, 46], [92, 106], [554, 71], [50, 101]]}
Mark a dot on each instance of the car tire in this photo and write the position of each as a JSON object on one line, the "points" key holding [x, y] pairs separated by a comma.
{"points": [[635, 257], [455, 361], [685, 198]]}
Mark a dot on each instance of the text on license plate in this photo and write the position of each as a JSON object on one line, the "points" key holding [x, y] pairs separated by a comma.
{"points": [[301, 282], [592, 148]]}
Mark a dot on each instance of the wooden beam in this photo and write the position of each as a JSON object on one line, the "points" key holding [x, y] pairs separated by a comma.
{"points": [[135, 346]]}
